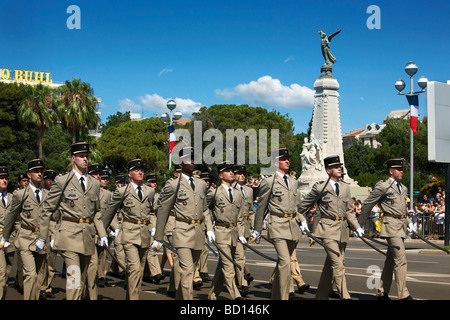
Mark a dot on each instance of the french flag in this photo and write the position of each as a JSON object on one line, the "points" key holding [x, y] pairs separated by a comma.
{"points": [[414, 114], [172, 138]]}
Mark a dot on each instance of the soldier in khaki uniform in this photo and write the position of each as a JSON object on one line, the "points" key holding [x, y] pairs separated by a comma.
{"points": [[115, 226], [334, 204], [243, 276], [26, 204], [46, 289], [135, 201], [278, 196], [391, 196], [227, 211], [186, 195], [76, 195], [153, 267], [6, 255], [105, 196]]}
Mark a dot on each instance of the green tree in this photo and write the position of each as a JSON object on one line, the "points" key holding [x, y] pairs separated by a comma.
{"points": [[77, 107], [146, 139], [38, 109], [115, 120]]}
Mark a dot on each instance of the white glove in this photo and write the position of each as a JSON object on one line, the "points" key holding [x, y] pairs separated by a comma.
{"points": [[358, 233], [153, 232], [156, 245], [104, 241], [256, 235], [211, 236], [411, 227], [304, 227], [242, 240], [52, 242], [4, 244], [40, 245]]}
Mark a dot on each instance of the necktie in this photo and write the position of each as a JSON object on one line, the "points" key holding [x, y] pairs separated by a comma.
{"points": [[286, 181], [231, 194], [337, 188], [191, 181], [82, 184], [3, 200], [399, 188], [242, 189], [139, 192], [37, 196]]}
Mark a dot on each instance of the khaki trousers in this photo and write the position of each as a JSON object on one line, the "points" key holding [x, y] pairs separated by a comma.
{"points": [[187, 260], [282, 278], [395, 264], [34, 270], [224, 274], [76, 273], [136, 257], [333, 272]]}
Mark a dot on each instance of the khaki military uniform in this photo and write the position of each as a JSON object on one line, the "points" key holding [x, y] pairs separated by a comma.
{"points": [[280, 202], [75, 235], [135, 230], [192, 219], [6, 256], [227, 215], [395, 221], [26, 208], [154, 267], [332, 226], [245, 226]]}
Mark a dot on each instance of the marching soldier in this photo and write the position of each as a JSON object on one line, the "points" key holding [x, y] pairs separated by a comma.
{"points": [[227, 211], [391, 196], [135, 201], [153, 266], [76, 195], [278, 197], [46, 289], [186, 195], [334, 204], [7, 254], [26, 204], [243, 276]]}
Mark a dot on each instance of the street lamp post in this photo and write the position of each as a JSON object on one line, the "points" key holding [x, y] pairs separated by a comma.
{"points": [[171, 105], [411, 69]]}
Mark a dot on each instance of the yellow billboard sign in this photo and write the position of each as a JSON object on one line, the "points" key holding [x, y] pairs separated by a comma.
{"points": [[25, 75]]}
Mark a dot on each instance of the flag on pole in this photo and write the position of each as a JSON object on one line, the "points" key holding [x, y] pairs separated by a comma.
{"points": [[172, 138], [414, 114]]}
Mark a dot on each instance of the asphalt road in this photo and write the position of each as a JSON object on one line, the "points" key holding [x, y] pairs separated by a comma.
{"points": [[428, 274]]}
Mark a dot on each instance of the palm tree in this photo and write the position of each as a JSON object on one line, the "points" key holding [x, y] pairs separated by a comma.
{"points": [[77, 107], [38, 108]]}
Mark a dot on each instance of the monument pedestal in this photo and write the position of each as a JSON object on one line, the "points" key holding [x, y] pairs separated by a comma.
{"points": [[326, 135]]}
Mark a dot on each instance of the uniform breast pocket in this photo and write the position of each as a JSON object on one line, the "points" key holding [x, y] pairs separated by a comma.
{"points": [[71, 198]]}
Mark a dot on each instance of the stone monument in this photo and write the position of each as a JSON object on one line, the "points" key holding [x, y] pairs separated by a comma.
{"points": [[326, 136]]}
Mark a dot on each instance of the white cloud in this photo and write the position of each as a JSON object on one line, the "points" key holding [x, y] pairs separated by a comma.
{"points": [[158, 104], [269, 92], [164, 71], [290, 58]]}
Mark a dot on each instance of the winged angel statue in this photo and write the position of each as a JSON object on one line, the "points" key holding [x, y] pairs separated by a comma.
{"points": [[326, 52]]}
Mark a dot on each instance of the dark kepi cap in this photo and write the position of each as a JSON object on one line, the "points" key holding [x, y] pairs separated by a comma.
{"points": [[136, 163], [394, 163], [95, 167], [21, 176], [35, 164], [186, 152], [224, 166], [205, 176], [239, 168], [283, 152], [104, 173], [120, 178], [79, 147], [50, 174], [3, 171], [151, 177], [332, 161]]}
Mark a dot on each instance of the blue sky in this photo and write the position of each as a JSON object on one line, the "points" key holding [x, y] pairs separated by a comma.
{"points": [[139, 54]]}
